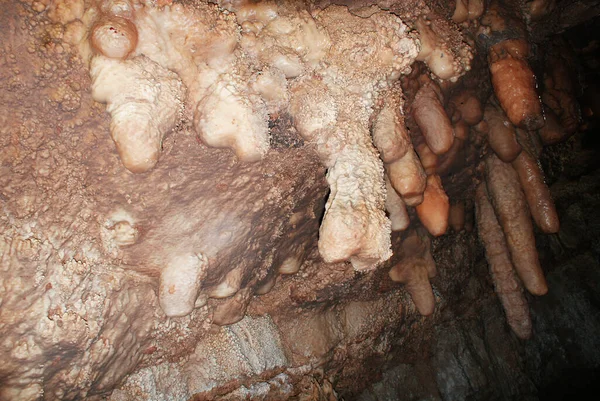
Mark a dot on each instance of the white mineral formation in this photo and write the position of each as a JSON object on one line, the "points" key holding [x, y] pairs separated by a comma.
{"points": [[332, 108], [260, 59], [229, 286], [468, 10], [144, 100], [396, 208], [226, 117], [202, 46], [180, 282], [355, 225], [389, 132], [437, 53], [290, 265]]}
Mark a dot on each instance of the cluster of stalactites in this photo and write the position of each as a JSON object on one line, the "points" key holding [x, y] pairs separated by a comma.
{"points": [[231, 70], [511, 195], [518, 122], [515, 123], [264, 58], [515, 193], [440, 127]]}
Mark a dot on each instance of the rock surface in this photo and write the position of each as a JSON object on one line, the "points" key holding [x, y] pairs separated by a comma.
{"points": [[202, 279]]}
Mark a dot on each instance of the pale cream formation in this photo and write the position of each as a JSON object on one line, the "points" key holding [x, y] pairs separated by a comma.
{"points": [[114, 37], [201, 45], [229, 286], [396, 208], [405, 175], [198, 44], [332, 108], [408, 178], [428, 111], [180, 284], [282, 54], [389, 131], [468, 10], [437, 53], [145, 101]]}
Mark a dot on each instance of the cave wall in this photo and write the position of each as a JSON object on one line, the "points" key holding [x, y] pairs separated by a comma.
{"points": [[88, 248]]}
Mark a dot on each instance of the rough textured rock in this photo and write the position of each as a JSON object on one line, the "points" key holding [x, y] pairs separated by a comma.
{"points": [[203, 275]]}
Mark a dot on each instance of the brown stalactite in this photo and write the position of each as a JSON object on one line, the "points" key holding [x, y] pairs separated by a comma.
{"points": [[536, 191], [429, 114], [507, 284], [414, 270], [501, 134], [433, 211], [515, 83], [510, 206]]}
